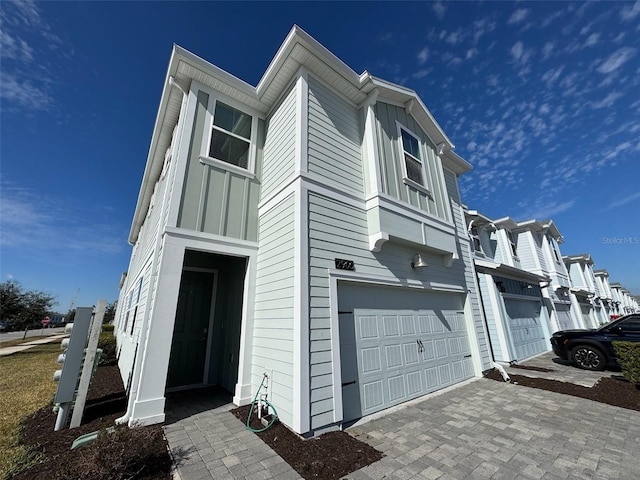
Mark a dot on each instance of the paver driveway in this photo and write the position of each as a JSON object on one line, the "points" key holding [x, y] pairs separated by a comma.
{"points": [[489, 429], [483, 429]]}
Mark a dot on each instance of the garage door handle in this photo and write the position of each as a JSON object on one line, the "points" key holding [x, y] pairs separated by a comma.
{"points": [[348, 383], [420, 346], [467, 356]]}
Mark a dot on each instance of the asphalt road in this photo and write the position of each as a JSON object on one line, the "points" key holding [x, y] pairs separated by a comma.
{"points": [[40, 332]]}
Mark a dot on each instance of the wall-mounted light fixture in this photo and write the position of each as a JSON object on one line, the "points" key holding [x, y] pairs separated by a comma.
{"points": [[501, 287], [417, 261], [528, 286]]}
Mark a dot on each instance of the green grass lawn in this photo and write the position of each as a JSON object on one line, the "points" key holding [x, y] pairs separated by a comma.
{"points": [[26, 383]]}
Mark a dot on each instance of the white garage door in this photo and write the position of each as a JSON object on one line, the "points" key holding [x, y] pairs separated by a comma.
{"points": [[563, 313], [525, 326], [393, 356], [585, 308]]}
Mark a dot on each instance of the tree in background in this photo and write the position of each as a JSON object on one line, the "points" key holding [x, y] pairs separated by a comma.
{"points": [[22, 308], [110, 312]]}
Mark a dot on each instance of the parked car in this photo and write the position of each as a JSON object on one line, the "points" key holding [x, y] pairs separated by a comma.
{"points": [[593, 349]]}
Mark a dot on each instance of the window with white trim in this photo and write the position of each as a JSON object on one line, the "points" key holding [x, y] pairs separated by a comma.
{"points": [[230, 135], [412, 157], [554, 248], [474, 233], [512, 242]]}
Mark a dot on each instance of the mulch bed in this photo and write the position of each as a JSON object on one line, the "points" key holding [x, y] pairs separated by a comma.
{"points": [[614, 390], [534, 369], [139, 453], [329, 456]]}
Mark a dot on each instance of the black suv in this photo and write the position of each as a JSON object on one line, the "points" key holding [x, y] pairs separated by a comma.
{"points": [[592, 349]]}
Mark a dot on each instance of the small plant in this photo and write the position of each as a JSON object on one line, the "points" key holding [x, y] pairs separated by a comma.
{"points": [[107, 342], [108, 327], [628, 354]]}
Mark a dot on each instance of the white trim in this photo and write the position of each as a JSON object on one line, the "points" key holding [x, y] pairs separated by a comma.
{"points": [[407, 181], [403, 151], [336, 362], [181, 159], [208, 242], [498, 318], [301, 381], [394, 281], [370, 145], [302, 121], [229, 167], [406, 210]]}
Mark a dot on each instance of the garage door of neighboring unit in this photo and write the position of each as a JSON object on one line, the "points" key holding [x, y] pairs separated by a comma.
{"points": [[585, 308], [391, 356], [563, 312], [525, 326]]}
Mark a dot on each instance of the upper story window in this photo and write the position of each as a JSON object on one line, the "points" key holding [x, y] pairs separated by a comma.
{"points": [[230, 136], [554, 249], [475, 238], [412, 158], [512, 242]]}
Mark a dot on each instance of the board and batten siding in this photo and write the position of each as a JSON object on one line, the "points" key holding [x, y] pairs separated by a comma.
{"points": [[338, 230], [466, 263], [214, 199], [526, 248], [334, 138], [391, 160], [280, 144], [274, 306]]}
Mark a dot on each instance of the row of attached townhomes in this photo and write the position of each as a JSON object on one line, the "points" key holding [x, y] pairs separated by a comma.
{"points": [[310, 228], [529, 290]]}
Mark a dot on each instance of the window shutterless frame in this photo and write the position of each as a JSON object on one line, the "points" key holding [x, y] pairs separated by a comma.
{"points": [[221, 144], [475, 237], [412, 162]]}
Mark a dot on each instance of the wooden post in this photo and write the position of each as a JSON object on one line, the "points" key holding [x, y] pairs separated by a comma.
{"points": [[87, 367]]}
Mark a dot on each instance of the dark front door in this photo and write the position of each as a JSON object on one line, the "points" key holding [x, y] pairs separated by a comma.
{"points": [[191, 330]]}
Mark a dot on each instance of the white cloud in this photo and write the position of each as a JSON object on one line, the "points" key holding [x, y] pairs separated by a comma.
{"points": [[552, 75], [630, 12], [616, 59], [607, 101], [423, 55], [547, 50], [23, 93], [44, 223], [542, 208], [518, 16], [440, 9], [15, 48], [622, 201], [519, 53], [592, 40]]}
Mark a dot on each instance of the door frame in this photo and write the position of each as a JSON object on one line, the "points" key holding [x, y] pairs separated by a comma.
{"points": [[207, 354]]}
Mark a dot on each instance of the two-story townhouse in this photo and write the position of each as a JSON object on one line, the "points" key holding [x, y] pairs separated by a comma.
{"points": [[513, 305], [538, 248], [606, 297], [585, 294], [310, 229]]}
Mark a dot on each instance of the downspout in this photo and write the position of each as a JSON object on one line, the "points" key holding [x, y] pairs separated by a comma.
{"points": [[144, 330]]}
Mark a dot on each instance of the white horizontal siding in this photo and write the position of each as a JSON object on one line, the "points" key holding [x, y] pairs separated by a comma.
{"points": [[334, 138], [279, 149], [274, 301]]}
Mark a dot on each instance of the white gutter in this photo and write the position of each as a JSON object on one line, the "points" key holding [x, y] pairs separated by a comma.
{"points": [[144, 330]]}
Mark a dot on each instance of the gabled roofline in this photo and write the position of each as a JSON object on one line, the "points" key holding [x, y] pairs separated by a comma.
{"points": [[506, 222], [363, 83], [602, 273], [478, 216]]}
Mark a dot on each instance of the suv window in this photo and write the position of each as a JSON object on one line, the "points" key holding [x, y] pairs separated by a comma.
{"points": [[630, 325]]}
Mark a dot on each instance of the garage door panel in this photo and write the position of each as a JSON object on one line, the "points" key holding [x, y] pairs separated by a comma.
{"points": [[405, 354], [525, 325]]}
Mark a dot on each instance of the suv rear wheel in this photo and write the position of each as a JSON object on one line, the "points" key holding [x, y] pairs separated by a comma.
{"points": [[587, 357]]}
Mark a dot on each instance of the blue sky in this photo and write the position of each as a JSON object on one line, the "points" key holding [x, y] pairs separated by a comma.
{"points": [[543, 98]]}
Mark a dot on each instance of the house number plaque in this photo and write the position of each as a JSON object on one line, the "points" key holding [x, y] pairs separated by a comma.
{"points": [[345, 264]]}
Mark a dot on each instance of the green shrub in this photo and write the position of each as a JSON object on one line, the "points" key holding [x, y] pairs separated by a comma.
{"points": [[628, 354], [108, 327], [107, 342]]}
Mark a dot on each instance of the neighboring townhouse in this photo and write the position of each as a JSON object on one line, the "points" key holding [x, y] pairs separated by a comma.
{"points": [[585, 294], [310, 229], [618, 298], [538, 250], [516, 313], [602, 282]]}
